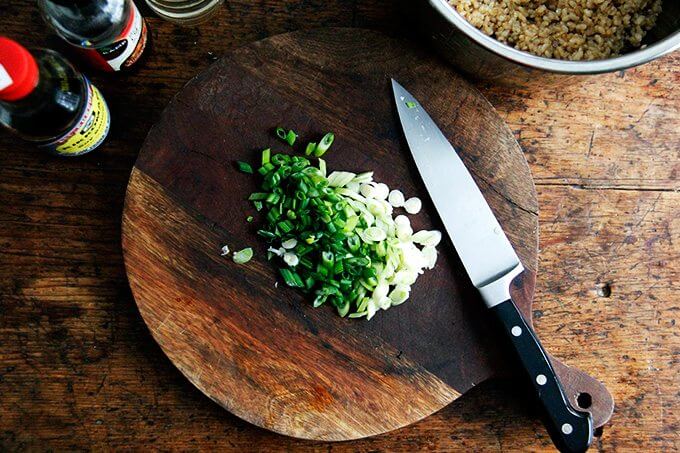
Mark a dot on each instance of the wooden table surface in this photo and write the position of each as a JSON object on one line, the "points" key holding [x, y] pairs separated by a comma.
{"points": [[79, 370]]}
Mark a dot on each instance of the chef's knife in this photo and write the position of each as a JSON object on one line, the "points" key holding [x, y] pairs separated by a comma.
{"points": [[490, 262]]}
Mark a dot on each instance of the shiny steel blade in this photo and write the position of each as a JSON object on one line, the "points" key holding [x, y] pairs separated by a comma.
{"points": [[477, 236]]}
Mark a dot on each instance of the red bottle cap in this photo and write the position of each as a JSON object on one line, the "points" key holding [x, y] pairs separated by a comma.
{"points": [[18, 70]]}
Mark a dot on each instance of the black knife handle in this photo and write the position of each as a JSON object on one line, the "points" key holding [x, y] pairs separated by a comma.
{"points": [[570, 430]]}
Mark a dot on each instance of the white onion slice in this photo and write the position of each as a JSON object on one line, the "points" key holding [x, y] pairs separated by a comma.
{"points": [[291, 259], [289, 244], [396, 198], [413, 205]]}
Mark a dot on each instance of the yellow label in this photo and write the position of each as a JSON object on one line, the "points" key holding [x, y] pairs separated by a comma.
{"points": [[90, 130]]}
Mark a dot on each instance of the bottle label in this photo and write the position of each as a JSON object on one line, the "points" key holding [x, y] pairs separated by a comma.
{"points": [[5, 79], [126, 49], [90, 129]]}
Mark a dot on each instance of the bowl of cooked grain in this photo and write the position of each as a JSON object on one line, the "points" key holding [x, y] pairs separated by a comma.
{"points": [[518, 40]]}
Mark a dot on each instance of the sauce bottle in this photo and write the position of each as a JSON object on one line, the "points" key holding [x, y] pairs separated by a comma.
{"points": [[47, 101], [111, 34]]}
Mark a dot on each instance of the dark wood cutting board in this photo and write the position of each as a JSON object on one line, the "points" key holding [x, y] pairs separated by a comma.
{"points": [[263, 352]]}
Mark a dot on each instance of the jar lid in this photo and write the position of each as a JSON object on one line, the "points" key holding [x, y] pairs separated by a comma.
{"points": [[18, 70]]}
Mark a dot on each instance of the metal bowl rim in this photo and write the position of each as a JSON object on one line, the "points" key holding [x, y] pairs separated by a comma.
{"points": [[640, 56]]}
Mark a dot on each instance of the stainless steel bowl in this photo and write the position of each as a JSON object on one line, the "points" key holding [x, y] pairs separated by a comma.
{"points": [[483, 57]]}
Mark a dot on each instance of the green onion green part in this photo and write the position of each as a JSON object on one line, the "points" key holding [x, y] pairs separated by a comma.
{"points": [[291, 136], [244, 167], [311, 147], [410, 104], [287, 136], [266, 156], [324, 144]]}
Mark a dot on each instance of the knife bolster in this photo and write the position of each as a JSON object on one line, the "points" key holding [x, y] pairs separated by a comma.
{"points": [[498, 291]]}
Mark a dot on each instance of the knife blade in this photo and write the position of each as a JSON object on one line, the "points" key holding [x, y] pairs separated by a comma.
{"points": [[490, 261]]}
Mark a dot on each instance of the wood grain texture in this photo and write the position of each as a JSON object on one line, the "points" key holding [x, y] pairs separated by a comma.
{"points": [[251, 347], [79, 370]]}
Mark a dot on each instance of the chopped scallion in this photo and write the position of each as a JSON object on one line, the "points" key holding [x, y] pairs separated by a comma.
{"points": [[245, 167], [266, 156], [243, 256], [324, 144], [309, 150], [333, 233], [287, 136], [291, 136]]}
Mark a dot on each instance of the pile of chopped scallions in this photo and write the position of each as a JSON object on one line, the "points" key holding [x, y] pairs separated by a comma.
{"points": [[334, 233]]}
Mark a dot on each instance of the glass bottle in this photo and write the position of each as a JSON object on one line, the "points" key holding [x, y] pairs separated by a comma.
{"points": [[111, 33], [45, 100]]}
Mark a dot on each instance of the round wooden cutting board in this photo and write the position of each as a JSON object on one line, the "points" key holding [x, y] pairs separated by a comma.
{"points": [[263, 352]]}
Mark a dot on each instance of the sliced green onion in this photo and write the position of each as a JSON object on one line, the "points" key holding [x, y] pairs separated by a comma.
{"points": [[305, 262], [266, 234], [291, 136], [243, 256], [338, 268], [245, 167], [353, 243], [291, 278], [287, 136], [322, 167], [351, 224], [266, 156], [343, 309], [289, 244], [280, 159], [327, 259], [319, 300], [324, 144], [272, 198], [309, 150], [265, 168], [363, 304], [334, 238], [291, 259], [286, 226], [399, 294], [273, 215], [410, 104]]}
